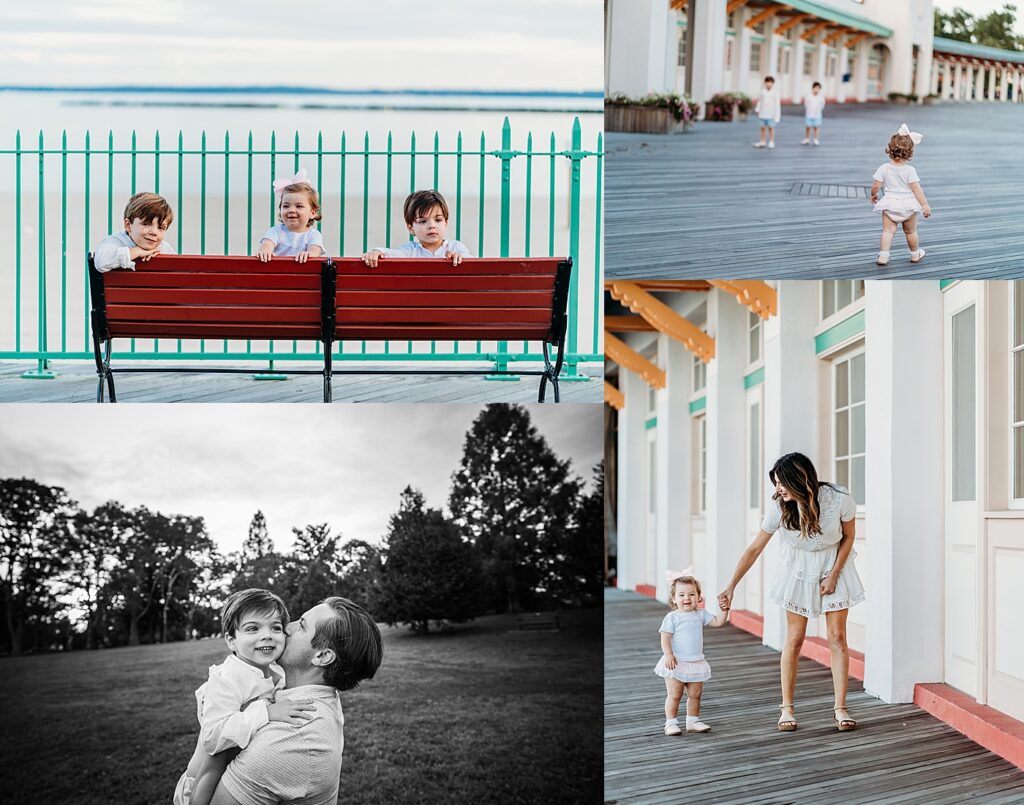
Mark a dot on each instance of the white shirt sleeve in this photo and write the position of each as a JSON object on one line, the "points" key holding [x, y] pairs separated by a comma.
{"points": [[847, 507], [879, 175], [405, 250], [271, 235], [112, 253], [224, 724], [668, 624], [459, 248], [772, 517], [708, 617], [316, 238], [912, 175]]}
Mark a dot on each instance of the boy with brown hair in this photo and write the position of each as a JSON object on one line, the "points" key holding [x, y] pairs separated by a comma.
{"points": [[146, 220], [426, 216]]}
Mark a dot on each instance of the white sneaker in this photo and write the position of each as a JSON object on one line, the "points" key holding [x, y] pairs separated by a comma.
{"points": [[758, 145], [816, 142], [771, 144], [697, 726], [673, 729], [805, 141]]}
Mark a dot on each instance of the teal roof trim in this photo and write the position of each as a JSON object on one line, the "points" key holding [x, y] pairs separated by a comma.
{"points": [[957, 48], [835, 15]]}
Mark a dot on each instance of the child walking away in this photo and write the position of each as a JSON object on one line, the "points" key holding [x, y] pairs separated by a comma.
{"points": [[769, 112], [814, 106], [426, 218], [682, 664], [298, 210], [903, 198], [146, 219]]}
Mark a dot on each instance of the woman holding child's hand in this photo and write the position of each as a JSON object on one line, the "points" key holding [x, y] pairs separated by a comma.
{"points": [[816, 523]]}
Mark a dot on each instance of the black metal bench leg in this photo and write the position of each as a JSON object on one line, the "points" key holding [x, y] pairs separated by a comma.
{"points": [[543, 387], [103, 373], [327, 373]]}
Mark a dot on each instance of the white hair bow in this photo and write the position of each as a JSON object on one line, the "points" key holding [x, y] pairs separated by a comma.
{"points": [[915, 137], [678, 574], [298, 178]]}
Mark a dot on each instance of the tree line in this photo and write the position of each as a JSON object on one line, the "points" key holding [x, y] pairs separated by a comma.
{"points": [[521, 533], [995, 29]]}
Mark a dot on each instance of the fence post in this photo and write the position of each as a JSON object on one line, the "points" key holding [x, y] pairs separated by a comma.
{"points": [[42, 370], [505, 154], [576, 156]]}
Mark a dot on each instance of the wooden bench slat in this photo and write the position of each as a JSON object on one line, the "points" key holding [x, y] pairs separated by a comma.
{"points": [[435, 282], [275, 297], [440, 332], [143, 329], [257, 314], [179, 279], [442, 315], [470, 266], [448, 299], [206, 263]]}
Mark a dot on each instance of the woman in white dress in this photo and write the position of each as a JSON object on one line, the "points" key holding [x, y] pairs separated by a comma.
{"points": [[815, 521]]}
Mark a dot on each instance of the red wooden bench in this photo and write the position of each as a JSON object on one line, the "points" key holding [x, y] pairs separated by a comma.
{"points": [[188, 296], [482, 298], [237, 297]]}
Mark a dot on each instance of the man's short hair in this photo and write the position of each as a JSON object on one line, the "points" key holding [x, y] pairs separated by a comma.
{"points": [[252, 600], [355, 640], [421, 202], [146, 207]]}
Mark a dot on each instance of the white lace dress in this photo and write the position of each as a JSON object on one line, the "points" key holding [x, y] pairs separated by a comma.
{"points": [[806, 561]]}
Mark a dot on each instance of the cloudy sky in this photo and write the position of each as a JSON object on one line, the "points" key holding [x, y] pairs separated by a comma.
{"points": [[301, 464], [387, 44]]}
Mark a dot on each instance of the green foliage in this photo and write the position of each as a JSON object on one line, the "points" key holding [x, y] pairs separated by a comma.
{"points": [[429, 572], [994, 30]]}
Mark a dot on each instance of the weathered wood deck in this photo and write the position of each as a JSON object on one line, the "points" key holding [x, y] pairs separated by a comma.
{"points": [[899, 753], [707, 204], [76, 382]]}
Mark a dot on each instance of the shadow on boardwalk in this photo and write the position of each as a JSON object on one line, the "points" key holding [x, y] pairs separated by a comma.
{"points": [[708, 205], [76, 382], [899, 753]]}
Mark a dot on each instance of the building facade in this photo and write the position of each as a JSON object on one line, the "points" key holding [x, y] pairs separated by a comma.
{"points": [[859, 50], [909, 393]]}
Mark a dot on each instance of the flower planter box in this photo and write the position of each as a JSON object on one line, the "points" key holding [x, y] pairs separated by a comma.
{"points": [[643, 120]]}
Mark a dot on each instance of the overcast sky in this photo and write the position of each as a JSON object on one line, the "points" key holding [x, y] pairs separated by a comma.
{"points": [[464, 44], [301, 464]]}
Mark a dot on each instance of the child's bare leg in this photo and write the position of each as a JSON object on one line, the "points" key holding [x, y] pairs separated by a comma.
{"points": [[888, 230], [693, 691], [807, 132], [674, 693], [771, 135], [910, 230], [764, 133], [817, 132]]}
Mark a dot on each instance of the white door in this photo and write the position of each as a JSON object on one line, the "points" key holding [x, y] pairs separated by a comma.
{"points": [[754, 488], [960, 520]]}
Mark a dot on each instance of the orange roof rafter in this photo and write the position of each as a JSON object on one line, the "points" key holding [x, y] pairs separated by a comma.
{"points": [[808, 35], [832, 37], [627, 324], [664, 318], [852, 43], [757, 19], [796, 19], [759, 296], [628, 358], [734, 4], [613, 397]]}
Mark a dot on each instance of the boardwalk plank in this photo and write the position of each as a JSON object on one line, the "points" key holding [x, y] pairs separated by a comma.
{"points": [[706, 204], [899, 753]]}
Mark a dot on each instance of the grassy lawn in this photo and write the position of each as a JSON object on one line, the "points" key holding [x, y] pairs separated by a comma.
{"points": [[480, 713]]}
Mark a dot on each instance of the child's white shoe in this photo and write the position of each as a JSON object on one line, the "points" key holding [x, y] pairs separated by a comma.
{"points": [[696, 725], [882, 259], [918, 256], [816, 141], [758, 145], [672, 728], [771, 144], [805, 141]]}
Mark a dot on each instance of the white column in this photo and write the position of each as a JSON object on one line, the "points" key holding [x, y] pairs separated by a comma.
{"points": [[991, 94], [979, 83], [1004, 94], [861, 79], [925, 69], [935, 78], [903, 571], [958, 84], [796, 89], [968, 82], [631, 526], [843, 67], [726, 530], [742, 56], [637, 47], [708, 57], [674, 463], [790, 419], [947, 81], [820, 60]]}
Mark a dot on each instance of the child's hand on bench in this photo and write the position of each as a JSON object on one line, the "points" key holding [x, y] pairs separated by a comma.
{"points": [[138, 253], [455, 257], [313, 251], [266, 250], [371, 258]]}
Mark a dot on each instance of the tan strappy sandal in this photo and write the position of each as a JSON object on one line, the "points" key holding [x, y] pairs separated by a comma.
{"points": [[843, 724], [787, 724]]}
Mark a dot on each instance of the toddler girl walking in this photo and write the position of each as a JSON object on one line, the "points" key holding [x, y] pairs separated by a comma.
{"points": [[682, 664], [903, 198]]}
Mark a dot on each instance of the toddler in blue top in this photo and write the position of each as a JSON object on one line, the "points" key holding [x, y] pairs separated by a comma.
{"points": [[298, 210], [682, 664]]}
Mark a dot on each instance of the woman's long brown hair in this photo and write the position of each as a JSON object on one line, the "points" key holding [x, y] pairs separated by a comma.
{"points": [[797, 474]]}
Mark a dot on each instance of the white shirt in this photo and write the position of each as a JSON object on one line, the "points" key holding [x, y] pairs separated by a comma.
{"points": [[814, 105], [835, 506], [115, 251], [687, 630], [288, 243], [896, 178], [413, 248], [232, 685], [769, 105]]}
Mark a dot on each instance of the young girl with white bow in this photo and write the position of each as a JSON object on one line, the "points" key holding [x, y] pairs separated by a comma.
{"points": [[298, 210], [682, 664], [903, 198]]}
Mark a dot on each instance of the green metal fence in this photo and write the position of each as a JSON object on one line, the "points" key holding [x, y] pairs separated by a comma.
{"points": [[540, 198]]}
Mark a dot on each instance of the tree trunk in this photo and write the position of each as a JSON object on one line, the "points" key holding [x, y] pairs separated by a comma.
{"points": [[133, 634]]}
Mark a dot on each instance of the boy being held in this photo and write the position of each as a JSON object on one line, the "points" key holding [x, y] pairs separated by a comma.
{"points": [[426, 216], [146, 219]]}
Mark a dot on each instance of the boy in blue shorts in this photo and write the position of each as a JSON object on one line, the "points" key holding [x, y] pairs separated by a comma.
{"points": [[814, 105]]}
